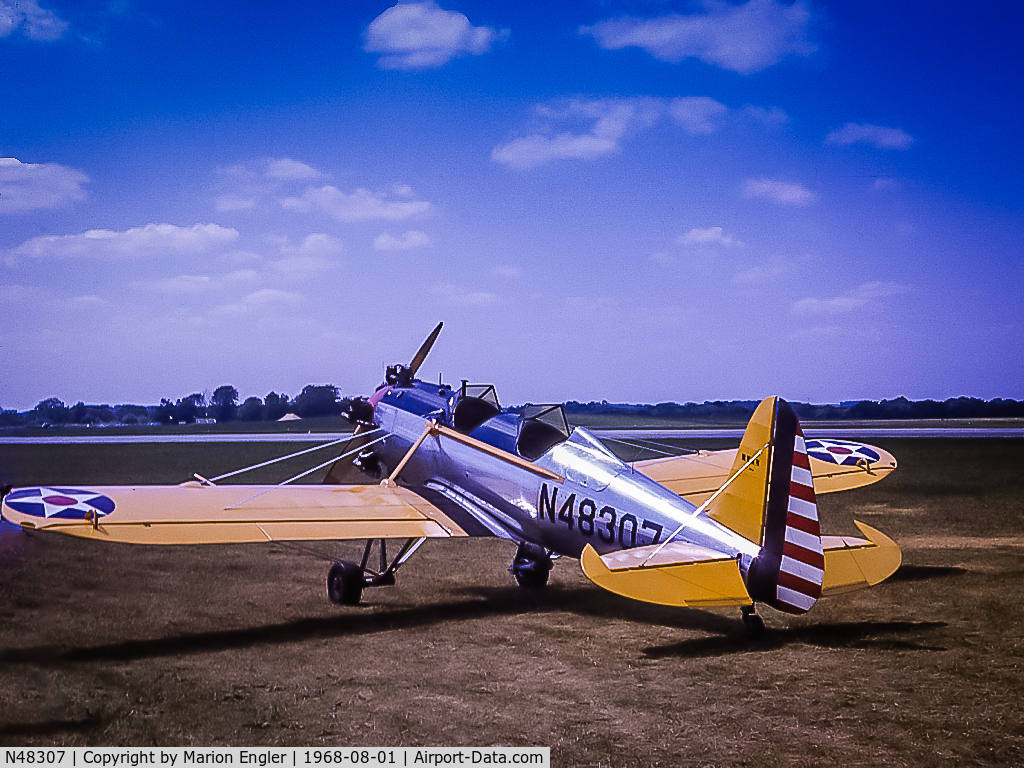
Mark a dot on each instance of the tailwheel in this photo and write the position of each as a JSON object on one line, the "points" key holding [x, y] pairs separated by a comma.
{"points": [[753, 622], [345, 583], [531, 566]]}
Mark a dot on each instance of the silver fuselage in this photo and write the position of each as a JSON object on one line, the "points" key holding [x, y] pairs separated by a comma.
{"points": [[600, 500]]}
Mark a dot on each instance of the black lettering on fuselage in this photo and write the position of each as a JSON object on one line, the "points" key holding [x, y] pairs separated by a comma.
{"points": [[610, 527], [546, 502]]}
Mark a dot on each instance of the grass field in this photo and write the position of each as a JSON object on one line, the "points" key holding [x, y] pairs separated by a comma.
{"points": [[114, 644]]}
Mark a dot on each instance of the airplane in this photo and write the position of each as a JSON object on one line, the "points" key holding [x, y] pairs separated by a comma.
{"points": [[712, 529]]}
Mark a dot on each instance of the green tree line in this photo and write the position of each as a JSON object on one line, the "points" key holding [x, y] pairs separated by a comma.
{"points": [[325, 400], [221, 406]]}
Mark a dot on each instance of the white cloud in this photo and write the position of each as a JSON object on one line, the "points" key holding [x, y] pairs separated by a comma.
{"points": [[855, 299], [768, 116], [768, 270], [314, 255], [582, 129], [266, 296], [877, 136], [182, 284], [150, 240], [610, 121], [411, 239], [88, 301], [781, 192], [508, 271], [287, 169], [708, 236], [698, 114], [315, 244], [452, 294], [247, 187], [743, 38], [361, 205], [33, 186], [424, 36], [34, 22], [263, 300]]}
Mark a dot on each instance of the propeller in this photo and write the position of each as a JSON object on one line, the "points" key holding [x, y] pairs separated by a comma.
{"points": [[360, 411], [424, 350]]}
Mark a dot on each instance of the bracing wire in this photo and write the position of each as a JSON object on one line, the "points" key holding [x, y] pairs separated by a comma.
{"points": [[290, 456], [309, 471]]}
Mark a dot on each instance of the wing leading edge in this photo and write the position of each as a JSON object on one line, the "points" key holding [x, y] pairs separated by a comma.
{"points": [[229, 514]]}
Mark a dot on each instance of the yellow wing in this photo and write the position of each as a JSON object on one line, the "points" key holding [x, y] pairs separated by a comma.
{"points": [[696, 476], [193, 513]]}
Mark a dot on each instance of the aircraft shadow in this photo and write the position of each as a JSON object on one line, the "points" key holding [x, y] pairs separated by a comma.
{"points": [[729, 635], [877, 635], [485, 602], [50, 727], [925, 572]]}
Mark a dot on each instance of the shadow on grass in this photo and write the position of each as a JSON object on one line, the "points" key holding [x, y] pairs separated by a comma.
{"points": [[926, 572], [49, 727], [481, 603], [876, 635], [729, 636]]}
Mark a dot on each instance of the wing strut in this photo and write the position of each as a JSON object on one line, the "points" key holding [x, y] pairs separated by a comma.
{"points": [[703, 506]]}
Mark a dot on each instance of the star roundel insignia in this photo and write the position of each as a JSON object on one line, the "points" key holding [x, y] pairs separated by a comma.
{"points": [[66, 503], [841, 452]]}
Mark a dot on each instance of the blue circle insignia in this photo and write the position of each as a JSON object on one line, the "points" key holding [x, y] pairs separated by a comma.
{"points": [[841, 452], [65, 503]]}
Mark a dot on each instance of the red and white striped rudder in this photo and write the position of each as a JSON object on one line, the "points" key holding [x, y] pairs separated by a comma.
{"points": [[789, 571]]}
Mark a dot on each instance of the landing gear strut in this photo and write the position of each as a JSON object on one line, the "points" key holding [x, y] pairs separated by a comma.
{"points": [[753, 622], [531, 566], [346, 579]]}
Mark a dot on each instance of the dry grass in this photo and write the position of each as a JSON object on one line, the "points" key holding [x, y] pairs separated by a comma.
{"points": [[111, 644]]}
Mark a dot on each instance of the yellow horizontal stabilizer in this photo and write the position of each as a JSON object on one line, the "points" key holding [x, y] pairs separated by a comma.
{"points": [[230, 514], [852, 564], [680, 575], [697, 476]]}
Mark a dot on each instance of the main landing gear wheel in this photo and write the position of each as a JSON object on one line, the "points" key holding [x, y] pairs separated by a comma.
{"points": [[753, 622], [531, 566], [345, 583]]}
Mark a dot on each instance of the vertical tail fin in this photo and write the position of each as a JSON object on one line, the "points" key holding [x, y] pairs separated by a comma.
{"points": [[773, 504], [740, 507]]}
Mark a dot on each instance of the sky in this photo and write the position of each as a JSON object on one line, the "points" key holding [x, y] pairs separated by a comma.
{"points": [[637, 201]]}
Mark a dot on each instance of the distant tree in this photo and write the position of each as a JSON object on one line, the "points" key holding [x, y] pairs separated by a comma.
{"points": [[11, 419], [276, 406], [251, 410], [51, 411], [163, 413], [80, 413], [133, 414], [190, 408], [224, 403], [318, 400]]}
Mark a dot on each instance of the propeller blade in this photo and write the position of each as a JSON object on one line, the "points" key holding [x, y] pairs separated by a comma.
{"points": [[424, 350]]}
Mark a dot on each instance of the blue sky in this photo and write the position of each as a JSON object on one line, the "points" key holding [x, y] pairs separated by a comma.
{"points": [[633, 201]]}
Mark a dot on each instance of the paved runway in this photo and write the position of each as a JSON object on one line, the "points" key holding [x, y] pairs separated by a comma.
{"points": [[850, 433], [858, 432]]}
